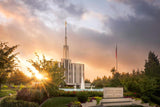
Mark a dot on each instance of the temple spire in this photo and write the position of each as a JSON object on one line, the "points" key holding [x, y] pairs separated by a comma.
{"points": [[65, 47], [65, 32]]}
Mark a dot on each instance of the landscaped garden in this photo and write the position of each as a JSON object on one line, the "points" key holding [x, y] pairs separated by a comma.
{"points": [[19, 90]]}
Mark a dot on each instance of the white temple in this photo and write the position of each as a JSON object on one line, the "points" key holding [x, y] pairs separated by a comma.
{"points": [[74, 72]]}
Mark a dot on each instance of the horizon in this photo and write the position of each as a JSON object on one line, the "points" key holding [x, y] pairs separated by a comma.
{"points": [[93, 31]]}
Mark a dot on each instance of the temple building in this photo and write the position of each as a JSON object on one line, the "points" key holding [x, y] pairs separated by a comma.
{"points": [[74, 72]]}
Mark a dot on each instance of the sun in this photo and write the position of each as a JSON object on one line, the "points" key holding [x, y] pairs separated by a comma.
{"points": [[39, 76]]}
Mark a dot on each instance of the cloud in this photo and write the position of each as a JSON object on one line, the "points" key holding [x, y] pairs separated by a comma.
{"points": [[75, 10], [39, 26]]}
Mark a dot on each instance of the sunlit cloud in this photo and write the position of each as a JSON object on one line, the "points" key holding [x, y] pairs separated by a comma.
{"points": [[94, 27]]}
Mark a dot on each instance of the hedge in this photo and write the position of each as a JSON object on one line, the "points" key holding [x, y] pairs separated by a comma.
{"points": [[75, 93]]}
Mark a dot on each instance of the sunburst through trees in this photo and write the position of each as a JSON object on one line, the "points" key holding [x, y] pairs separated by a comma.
{"points": [[50, 76]]}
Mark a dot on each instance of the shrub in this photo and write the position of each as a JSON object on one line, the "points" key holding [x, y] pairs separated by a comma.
{"points": [[4, 86], [155, 99], [67, 93], [75, 104], [33, 95], [145, 99], [14, 86], [131, 94], [98, 99], [12, 102], [21, 86], [36, 95], [95, 93], [82, 97], [54, 93], [74, 93]]}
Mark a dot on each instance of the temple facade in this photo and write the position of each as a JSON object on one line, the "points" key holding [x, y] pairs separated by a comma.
{"points": [[74, 72]]}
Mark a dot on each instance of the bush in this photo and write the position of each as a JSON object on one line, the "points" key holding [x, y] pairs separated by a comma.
{"points": [[145, 99], [67, 93], [54, 93], [82, 97], [75, 104], [157, 92], [155, 99], [95, 93], [36, 95], [21, 86], [131, 94], [4, 86], [98, 99], [32, 95], [12, 102], [74, 93]]}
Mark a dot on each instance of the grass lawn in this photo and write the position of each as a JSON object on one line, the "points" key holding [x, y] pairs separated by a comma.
{"points": [[5, 92], [59, 101]]}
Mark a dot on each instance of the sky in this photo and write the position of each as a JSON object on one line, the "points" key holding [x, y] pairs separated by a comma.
{"points": [[94, 29]]}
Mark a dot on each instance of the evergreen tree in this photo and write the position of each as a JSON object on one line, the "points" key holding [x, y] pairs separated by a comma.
{"points": [[152, 65]]}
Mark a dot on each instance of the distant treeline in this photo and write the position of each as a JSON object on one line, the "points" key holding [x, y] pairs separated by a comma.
{"points": [[145, 84]]}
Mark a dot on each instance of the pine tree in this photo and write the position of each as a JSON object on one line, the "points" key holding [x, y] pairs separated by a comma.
{"points": [[152, 65]]}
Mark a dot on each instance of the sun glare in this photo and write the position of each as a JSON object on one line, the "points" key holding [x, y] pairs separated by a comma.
{"points": [[39, 76]]}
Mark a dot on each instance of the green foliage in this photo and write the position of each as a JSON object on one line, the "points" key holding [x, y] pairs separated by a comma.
{"points": [[7, 61], [75, 104], [4, 87], [6, 92], [95, 93], [87, 81], [145, 99], [137, 83], [82, 97], [17, 77], [67, 93], [75, 93], [33, 95], [155, 99], [98, 99], [99, 83], [152, 65], [59, 101], [131, 94], [12, 102], [21, 86]]}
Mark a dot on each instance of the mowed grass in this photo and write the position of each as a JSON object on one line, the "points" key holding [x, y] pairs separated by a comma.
{"points": [[5, 92], [59, 101]]}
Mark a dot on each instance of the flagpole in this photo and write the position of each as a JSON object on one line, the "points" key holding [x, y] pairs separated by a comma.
{"points": [[116, 59]]}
